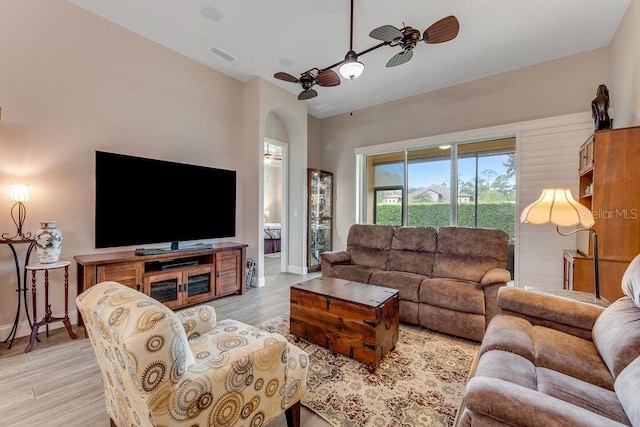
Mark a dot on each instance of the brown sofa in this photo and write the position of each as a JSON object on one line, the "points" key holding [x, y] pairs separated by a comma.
{"points": [[551, 361], [448, 278]]}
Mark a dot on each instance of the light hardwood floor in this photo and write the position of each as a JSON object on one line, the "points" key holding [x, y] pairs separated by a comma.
{"points": [[58, 383]]}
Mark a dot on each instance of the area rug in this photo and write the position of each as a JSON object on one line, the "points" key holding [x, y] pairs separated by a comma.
{"points": [[420, 383]]}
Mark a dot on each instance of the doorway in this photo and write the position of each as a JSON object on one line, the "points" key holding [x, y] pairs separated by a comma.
{"points": [[274, 207]]}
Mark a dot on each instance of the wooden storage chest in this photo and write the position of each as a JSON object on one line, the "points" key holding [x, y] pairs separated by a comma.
{"points": [[355, 319]]}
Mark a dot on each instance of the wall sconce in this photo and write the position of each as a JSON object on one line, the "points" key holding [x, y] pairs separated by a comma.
{"points": [[19, 193], [266, 215]]}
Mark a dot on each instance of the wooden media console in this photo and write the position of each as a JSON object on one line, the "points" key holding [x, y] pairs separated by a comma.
{"points": [[177, 279]]}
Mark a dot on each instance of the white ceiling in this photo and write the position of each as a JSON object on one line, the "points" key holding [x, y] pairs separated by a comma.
{"points": [[293, 36]]}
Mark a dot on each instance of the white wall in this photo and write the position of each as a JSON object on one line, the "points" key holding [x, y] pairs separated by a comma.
{"points": [[272, 193], [624, 88]]}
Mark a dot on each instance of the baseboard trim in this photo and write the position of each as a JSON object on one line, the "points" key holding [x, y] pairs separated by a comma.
{"points": [[24, 329]]}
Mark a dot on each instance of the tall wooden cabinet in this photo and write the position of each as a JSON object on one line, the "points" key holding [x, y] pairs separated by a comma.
{"points": [[177, 279], [610, 188], [320, 219]]}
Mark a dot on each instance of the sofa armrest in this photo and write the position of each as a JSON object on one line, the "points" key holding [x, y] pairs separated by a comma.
{"points": [[548, 310], [336, 257], [495, 275], [197, 321], [515, 405]]}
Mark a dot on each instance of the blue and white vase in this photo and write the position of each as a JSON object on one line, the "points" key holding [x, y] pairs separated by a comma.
{"points": [[48, 242]]}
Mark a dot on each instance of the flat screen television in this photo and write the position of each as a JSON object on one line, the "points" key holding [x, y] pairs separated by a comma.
{"points": [[143, 201]]}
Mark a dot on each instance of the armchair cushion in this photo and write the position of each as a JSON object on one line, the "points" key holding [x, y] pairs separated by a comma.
{"points": [[627, 388], [197, 320], [513, 404], [547, 348], [549, 310], [616, 334], [631, 281]]}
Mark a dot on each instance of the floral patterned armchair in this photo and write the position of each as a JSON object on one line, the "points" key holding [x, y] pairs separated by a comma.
{"points": [[164, 368]]}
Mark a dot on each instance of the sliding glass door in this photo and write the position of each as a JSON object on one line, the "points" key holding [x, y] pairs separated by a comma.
{"points": [[429, 189], [470, 185]]}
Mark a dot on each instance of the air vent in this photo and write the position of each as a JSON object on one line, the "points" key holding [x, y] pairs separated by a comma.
{"points": [[323, 107], [221, 53]]}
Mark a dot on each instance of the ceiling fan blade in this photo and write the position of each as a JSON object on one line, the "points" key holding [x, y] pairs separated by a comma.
{"points": [[400, 58], [386, 33], [328, 78], [307, 94], [442, 31], [286, 77]]}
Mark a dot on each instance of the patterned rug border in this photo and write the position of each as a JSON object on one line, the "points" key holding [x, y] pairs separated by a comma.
{"points": [[413, 386]]}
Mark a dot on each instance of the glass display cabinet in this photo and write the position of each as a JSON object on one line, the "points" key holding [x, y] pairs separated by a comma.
{"points": [[320, 219]]}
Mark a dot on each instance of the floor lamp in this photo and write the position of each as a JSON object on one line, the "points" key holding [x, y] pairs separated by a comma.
{"points": [[558, 207]]}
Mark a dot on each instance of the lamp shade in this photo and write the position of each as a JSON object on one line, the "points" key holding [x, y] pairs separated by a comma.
{"points": [[351, 68], [557, 206], [19, 192]]}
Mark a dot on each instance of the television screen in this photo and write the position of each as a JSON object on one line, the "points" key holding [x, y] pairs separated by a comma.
{"points": [[142, 201]]}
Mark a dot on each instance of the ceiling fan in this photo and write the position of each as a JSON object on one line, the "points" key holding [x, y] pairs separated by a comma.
{"points": [[308, 79], [406, 37]]}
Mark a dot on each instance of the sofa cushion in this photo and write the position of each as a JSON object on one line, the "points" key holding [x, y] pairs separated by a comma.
{"points": [[627, 388], [407, 283], [511, 334], [467, 253], [409, 312], [580, 393], [631, 281], [413, 250], [616, 334], [452, 322], [355, 273], [570, 355], [507, 366], [369, 246], [454, 294]]}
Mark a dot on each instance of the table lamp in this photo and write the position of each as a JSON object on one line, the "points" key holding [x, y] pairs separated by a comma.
{"points": [[19, 193], [558, 207]]}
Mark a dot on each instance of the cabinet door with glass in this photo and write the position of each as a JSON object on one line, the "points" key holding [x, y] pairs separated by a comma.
{"points": [[320, 220]]}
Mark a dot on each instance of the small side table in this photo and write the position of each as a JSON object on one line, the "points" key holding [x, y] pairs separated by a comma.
{"points": [[21, 286], [48, 318]]}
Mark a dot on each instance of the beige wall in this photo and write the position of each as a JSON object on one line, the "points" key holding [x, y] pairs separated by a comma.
{"points": [[624, 91], [72, 83]]}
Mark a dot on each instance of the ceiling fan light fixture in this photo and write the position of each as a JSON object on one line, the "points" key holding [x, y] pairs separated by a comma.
{"points": [[351, 68]]}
